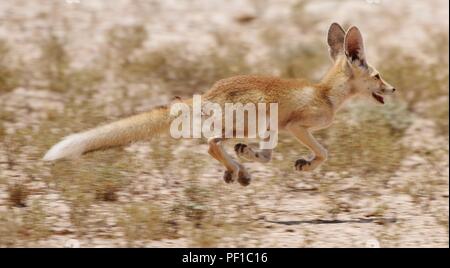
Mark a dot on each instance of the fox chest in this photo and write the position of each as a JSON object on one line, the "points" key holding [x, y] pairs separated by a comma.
{"points": [[314, 117]]}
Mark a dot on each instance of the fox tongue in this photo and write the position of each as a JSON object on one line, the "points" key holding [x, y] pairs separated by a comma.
{"points": [[378, 98]]}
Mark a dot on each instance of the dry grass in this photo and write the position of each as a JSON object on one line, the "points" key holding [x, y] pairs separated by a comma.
{"points": [[21, 226], [10, 75], [144, 222], [17, 195], [367, 138], [54, 62], [423, 86], [183, 73], [90, 184], [168, 190]]}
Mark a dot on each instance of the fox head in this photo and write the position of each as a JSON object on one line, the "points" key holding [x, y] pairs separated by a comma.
{"points": [[347, 50]]}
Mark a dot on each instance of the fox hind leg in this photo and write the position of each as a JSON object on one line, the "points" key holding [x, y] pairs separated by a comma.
{"points": [[235, 170]]}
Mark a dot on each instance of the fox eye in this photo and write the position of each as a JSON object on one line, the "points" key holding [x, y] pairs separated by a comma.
{"points": [[377, 76]]}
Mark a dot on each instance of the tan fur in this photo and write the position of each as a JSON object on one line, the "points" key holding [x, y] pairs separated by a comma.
{"points": [[122, 132], [303, 107]]}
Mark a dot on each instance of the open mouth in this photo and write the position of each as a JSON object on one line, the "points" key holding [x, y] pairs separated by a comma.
{"points": [[379, 98]]}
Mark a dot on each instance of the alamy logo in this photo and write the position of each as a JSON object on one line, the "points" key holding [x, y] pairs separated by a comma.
{"points": [[230, 120]]}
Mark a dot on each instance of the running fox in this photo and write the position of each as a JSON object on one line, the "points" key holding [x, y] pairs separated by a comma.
{"points": [[303, 107]]}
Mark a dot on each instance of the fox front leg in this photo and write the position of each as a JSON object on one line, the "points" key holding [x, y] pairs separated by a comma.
{"points": [[320, 153]]}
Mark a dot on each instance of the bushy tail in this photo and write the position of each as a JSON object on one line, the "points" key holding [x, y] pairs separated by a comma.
{"points": [[122, 132]]}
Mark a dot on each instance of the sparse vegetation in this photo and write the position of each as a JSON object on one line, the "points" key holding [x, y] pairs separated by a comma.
{"points": [[17, 195], [20, 227], [55, 62], [67, 74], [143, 222], [9, 75], [367, 137], [424, 87], [185, 73]]}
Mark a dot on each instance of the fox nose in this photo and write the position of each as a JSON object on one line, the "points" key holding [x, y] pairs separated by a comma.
{"points": [[393, 89]]}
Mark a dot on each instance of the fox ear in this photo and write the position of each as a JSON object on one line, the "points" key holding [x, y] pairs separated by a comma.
{"points": [[335, 40], [354, 47]]}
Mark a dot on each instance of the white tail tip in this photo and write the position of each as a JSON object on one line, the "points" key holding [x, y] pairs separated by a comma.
{"points": [[70, 147]]}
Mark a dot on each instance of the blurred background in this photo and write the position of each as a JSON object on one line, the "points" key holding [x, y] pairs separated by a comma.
{"points": [[66, 66]]}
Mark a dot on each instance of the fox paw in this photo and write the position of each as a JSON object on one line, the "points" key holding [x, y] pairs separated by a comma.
{"points": [[228, 176], [302, 165], [240, 148], [307, 165], [244, 178]]}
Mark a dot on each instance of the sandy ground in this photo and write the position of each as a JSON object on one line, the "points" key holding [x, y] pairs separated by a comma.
{"points": [[348, 206]]}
